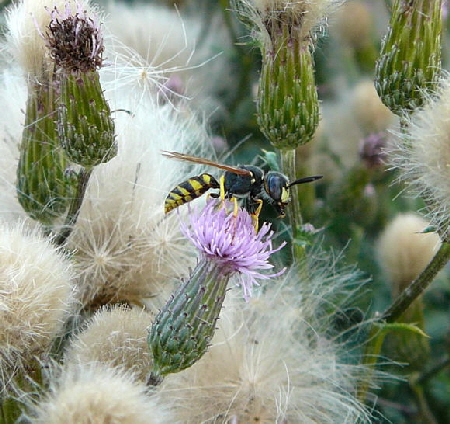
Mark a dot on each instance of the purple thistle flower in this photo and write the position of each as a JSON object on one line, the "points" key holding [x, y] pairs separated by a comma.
{"points": [[229, 245], [232, 243]]}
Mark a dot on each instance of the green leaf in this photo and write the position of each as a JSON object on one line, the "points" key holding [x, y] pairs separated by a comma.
{"points": [[399, 327]]}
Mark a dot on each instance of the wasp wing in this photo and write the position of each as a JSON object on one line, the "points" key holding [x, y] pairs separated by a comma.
{"points": [[195, 159]]}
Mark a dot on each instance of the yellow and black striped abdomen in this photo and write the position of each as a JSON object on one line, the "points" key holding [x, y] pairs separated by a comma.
{"points": [[189, 190]]}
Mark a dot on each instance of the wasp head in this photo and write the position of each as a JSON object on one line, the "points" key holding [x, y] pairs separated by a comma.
{"points": [[277, 188]]}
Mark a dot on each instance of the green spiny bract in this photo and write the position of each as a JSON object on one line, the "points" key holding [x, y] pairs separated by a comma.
{"points": [[43, 186], [288, 105], [410, 59], [183, 329], [85, 124]]}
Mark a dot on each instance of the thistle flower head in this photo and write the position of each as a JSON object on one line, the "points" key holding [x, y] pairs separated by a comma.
{"points": [[27, 21], [36, 295], [74, 39], [422, 153], [232, 242], [94, 393], [115, 337], [404, 250]]}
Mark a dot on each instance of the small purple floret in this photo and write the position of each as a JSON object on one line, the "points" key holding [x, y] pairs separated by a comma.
{"points": [[232, 242]]}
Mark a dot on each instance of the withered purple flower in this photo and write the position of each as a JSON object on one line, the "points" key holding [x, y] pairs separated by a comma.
{"points": [[74, 40], [372, 149]]}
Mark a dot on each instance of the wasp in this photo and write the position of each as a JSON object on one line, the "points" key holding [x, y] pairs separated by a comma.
{"points": [[246, 182]]}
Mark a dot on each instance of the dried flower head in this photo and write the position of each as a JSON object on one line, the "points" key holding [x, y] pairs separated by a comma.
{"points": [[372, 149], [404, 251], [27, 22], [87, 394], [116, 337], [35, 296], [358, 34], [74, 39], [422, 153], [232, 242]]}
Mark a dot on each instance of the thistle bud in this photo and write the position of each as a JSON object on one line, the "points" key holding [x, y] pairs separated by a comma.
{"points": [[183, 329], [410, 58], [85, 124], [288, 105], [43, 186]]}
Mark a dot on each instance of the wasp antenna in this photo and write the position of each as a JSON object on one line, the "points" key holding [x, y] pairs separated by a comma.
{"points": [[305, 180]]}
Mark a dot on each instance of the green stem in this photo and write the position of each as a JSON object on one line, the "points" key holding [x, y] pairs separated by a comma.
{"points": [[397, 309], [426, 415], [417, 287], [294, 212], [371, 354], [74, 210]]}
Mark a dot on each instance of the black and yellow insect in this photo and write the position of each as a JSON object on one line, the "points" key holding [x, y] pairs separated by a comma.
{"points": [[188, 190], [246, 182]]}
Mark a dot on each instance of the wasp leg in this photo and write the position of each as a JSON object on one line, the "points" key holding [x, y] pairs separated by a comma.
{"points": [[222, 187], [255, 215], [235, 206]]}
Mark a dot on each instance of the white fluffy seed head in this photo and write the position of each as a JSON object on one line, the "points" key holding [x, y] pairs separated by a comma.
{"points": [[261, 368], [404, 250], [116, 337], [36, 295], [12, 103], [422, 153], [126, 248], [27, 21], [95, 394], [174, 49]]}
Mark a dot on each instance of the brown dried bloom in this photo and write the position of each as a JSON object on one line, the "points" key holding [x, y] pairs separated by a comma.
{"points": [[75, 40]]}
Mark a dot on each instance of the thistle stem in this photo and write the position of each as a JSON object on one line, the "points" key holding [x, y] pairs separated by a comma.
{"points": [[294, 212], [74, 209], [396, 310], [417, 287]]}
